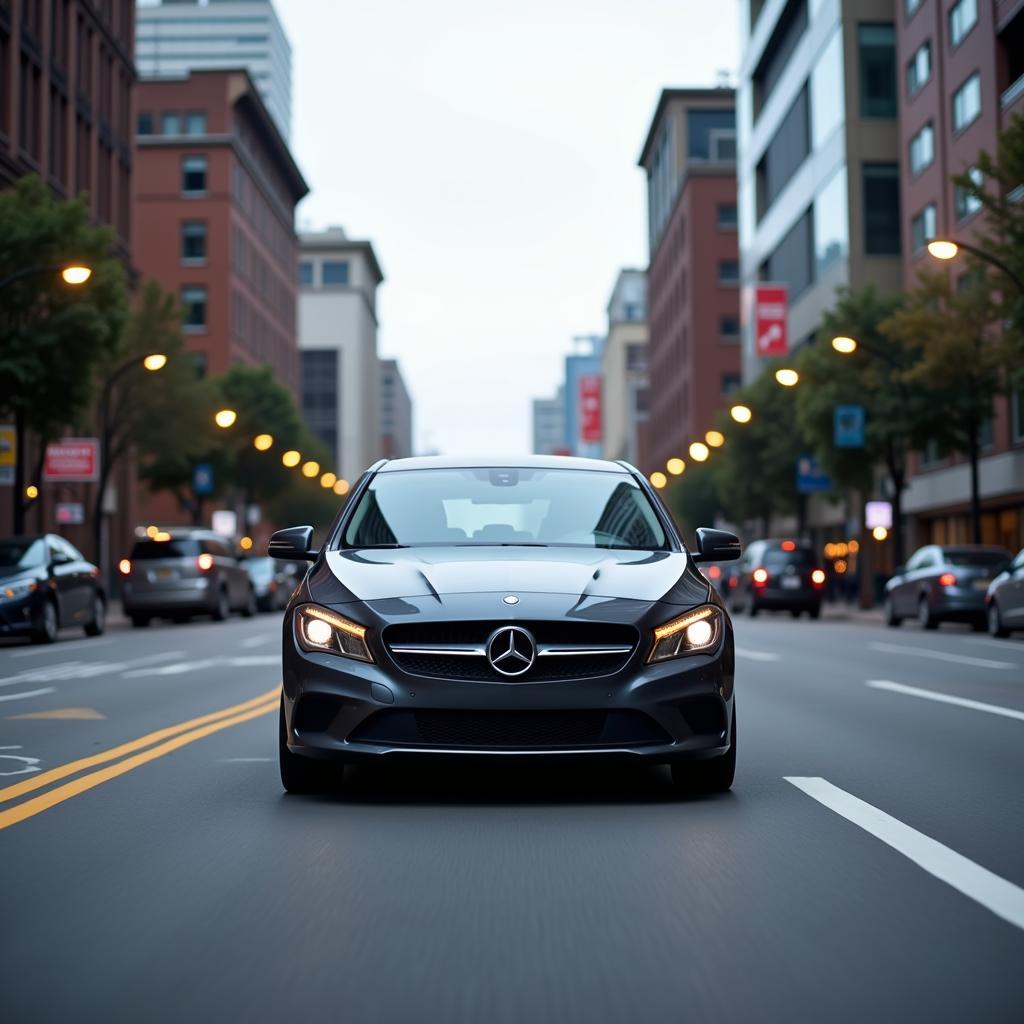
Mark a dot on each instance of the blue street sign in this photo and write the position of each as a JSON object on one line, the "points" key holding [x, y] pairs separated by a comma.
{"points": [[202, 479], [848, 426], [810, 479]]}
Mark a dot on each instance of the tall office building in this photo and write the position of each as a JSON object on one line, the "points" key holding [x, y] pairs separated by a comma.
{"points": [[961, 80], [549, 425], [693, 279], [818, 165], [624, 367], [173, 37], [395, 412], [338, 280]]}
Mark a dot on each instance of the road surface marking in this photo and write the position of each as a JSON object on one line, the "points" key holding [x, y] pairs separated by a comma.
{"points": [[64, 714], [60, 647], [258, 641], [1003, 898], [1006, 646], [743, 652], [924, 652], [27, 693], [38, 804], [247, 760], [73, 767], [945, 698], [84, 669], [27, 763], [181, 667]]}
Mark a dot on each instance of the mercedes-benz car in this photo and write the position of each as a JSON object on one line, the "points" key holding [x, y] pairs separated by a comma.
{"points": [[543, 606]]}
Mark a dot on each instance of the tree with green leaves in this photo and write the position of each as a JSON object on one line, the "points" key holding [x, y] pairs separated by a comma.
{"points": [[52, 334]]}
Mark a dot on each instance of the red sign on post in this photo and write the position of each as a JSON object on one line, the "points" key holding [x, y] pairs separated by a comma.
{"points": [[770, 335], [72, 460], [590, 407]]}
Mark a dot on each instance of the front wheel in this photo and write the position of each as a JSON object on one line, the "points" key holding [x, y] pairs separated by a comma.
{"points": [[889, 612], [995, 622], [752, 608], [250, 607], [140, 621], [98, 622], [712, 776], [47, 625], [299, 774], [815, 612], [925, 615], [222, 609]]}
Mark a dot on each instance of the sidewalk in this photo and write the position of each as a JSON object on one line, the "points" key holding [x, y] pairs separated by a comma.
{"points": [[836, 611]]}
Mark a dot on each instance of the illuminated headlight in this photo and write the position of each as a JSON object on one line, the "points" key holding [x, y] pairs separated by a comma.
{"points": [[321, 630], [692, 633], [12, 591]]}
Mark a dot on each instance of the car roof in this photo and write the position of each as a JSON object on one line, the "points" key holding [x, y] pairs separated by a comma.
{"points": [[502, 462]]}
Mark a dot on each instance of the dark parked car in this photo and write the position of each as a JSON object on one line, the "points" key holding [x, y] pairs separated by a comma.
{"points": [[778, 574], [538, 607], [1005, 598], [46, 584], [944, 582], [181, 573], [272, 582]]}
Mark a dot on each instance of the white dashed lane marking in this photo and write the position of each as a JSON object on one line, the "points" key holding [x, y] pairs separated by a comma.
{"points": [[944, 698], [926, 652]]}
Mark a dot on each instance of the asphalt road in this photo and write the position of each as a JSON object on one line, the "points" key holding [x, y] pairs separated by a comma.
{"points": [[868, 864]]}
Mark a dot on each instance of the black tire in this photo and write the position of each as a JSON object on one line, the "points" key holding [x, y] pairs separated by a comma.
{"points": [[995, 622], [140, 621], [99, 617], [223, 607], [712, 776], [815, 612], [47, 624], [752, 608], [891, 618], [301, 774], [250, 607], [795, 612], [925, 615]]}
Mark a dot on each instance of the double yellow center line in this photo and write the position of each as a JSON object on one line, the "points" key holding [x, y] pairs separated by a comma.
{"points": [[144, 749]]}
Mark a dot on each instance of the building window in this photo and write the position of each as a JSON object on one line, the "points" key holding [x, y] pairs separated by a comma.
{"points": [[305, 272], [193, 241], [919, 70], [831, 224], [783, 156], [334, 272], [922, 149], [170, 124], [923, 228], [730, 383], [963, 16], [193, 174], [711, 135], [964, 202], [195, 123], [193, 298], [792, 261], [728, 272], [877, 46], [967, 103], [729, 329], [881, 210], [144, 124], [727, 215]]}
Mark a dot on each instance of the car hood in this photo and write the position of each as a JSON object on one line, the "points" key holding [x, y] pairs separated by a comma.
{"points": [[375, 575]]}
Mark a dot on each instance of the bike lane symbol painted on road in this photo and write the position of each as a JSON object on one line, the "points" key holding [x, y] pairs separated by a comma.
{"points": [[28, 764]]}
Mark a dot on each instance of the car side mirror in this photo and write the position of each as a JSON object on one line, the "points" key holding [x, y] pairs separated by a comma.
{"points": [[295, 542], [716, 546]]}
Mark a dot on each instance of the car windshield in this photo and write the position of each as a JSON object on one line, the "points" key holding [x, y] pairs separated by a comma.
{"points": [[779, 559], [978, 559], [506, 506], [22, 553], [150, 549]]}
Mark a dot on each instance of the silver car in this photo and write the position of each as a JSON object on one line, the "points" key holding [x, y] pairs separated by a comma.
{"points": [[1005, 598], [179, 574], [944, 582]]}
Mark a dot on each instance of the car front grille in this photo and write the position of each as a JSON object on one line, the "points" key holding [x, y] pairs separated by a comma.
{"points": [[457, 650]]}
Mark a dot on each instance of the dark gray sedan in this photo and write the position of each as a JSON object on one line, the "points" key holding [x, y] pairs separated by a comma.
{"points": [[944, 582], [1005, 598]]}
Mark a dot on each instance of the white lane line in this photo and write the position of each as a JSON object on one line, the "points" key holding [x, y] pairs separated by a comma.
{"points": [[745, 652], [924, 652], [945, 698], [258, 641], [246, 760], [61, 647], [27, 693], [84, 669], [181, 667], [1003, 898], [1006, 646]]}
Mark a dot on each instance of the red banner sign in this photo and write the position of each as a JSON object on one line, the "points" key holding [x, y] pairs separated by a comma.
{"points": [[770, 304], [71, 460], [590, 407]]}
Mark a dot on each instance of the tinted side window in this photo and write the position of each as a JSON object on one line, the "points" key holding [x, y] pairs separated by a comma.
{"points": [[216, 548], [146, 549]]}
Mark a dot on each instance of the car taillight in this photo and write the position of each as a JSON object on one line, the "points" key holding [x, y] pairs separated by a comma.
{"points": [[947, 579], [205, 561], [818, 577], [124, 567], [734, 581], [760, 577], [714, 572]]}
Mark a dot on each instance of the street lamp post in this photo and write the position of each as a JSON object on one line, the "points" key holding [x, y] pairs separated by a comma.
{"points": [[947, 249]]}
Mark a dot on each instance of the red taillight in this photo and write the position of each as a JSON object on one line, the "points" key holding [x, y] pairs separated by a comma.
{"points": [[818, 577], [205, 561], [789, 545], [734, 581], [714, 572], [760, 577], [124, 567], [947, 579]]}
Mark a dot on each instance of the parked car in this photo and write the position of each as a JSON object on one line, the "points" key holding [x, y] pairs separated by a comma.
{"points": [[47, 584], [182, 573], [718, 576], [944, 582], [781, 575], [1005, 598], [272, 580]]}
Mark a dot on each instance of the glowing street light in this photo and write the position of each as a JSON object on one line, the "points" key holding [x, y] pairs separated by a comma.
{"points": [[263, 442], [715, 438], [340, 487], [786, 377], [77, 273], [291, 458], [311, 469], [699, 451], [675, 466], [741, 413], [879, 533], [225, 418], [31, 492], [245, 543], [946, 249], [943, 249], [659, 479], [844, 346], [328, 480], [155, 361]]}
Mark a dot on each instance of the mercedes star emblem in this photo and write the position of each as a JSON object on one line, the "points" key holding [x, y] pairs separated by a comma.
{"points": [[510, 599], [511, 650]]}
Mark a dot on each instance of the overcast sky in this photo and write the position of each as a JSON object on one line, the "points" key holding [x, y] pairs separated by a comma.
{"points": [[488, 150]]}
